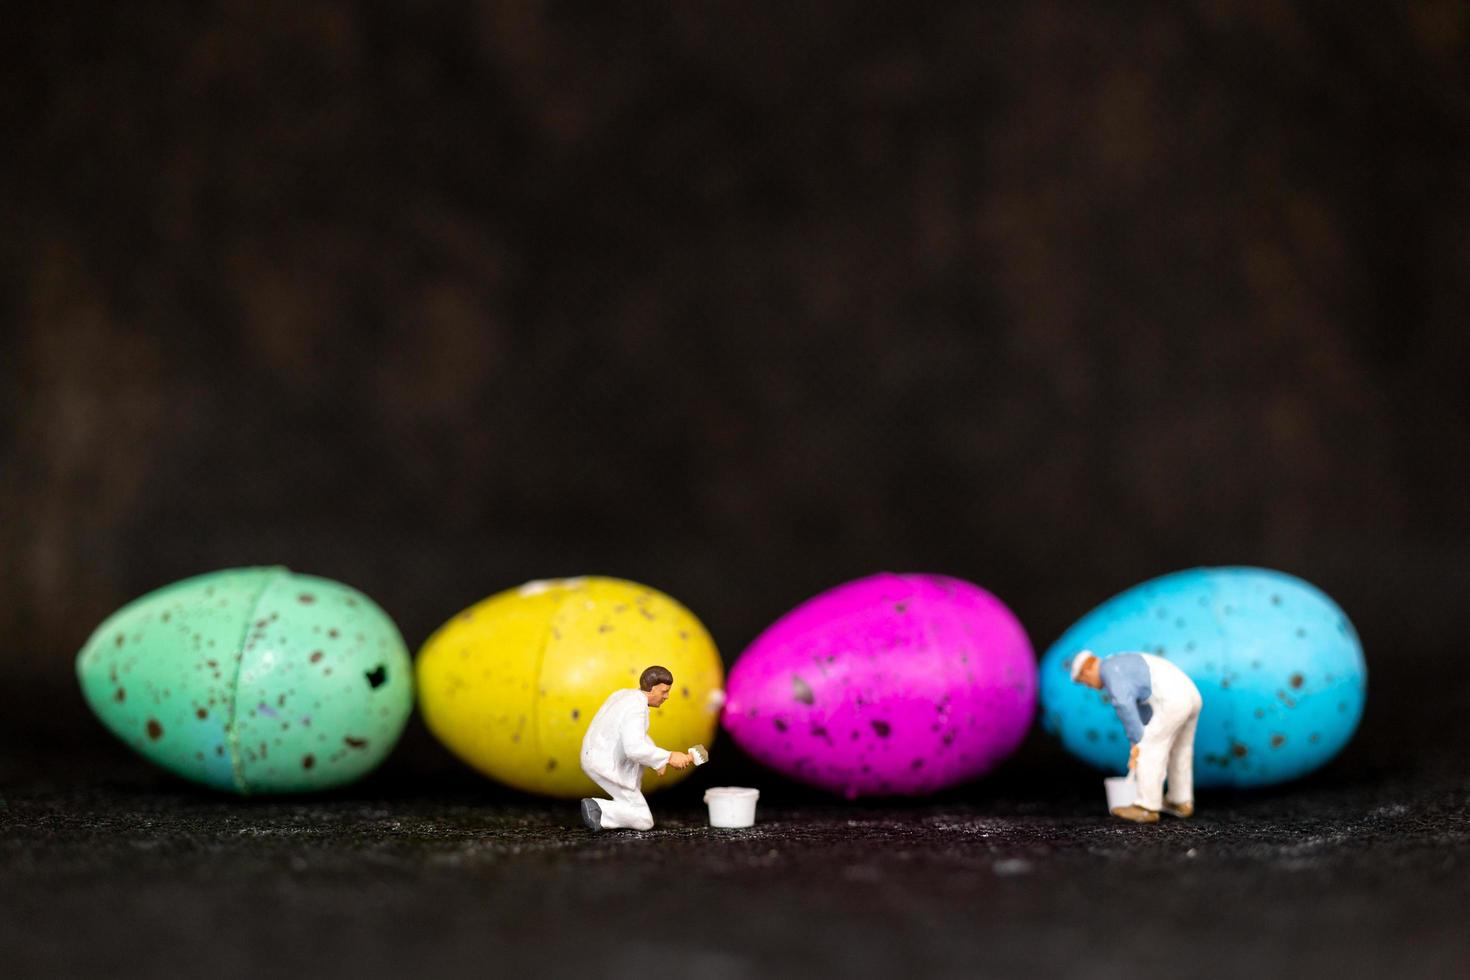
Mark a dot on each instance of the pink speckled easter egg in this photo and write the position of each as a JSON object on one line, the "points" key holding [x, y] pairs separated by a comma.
{"points": [[889, 685]]}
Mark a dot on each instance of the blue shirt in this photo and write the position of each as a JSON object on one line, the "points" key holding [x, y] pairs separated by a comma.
{"points": [[1126, 678]]}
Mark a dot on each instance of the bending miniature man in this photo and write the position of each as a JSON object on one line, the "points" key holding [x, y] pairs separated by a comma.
{"points": [[617, 747], [1159, 707]]}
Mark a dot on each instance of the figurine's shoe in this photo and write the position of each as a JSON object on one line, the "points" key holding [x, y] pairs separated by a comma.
{"points": [[591, 814], [1137, 814], [1179, 809]]}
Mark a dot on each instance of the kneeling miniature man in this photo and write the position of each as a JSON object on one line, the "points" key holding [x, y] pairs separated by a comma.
{"points": [[617, 747], [1159, 707]]}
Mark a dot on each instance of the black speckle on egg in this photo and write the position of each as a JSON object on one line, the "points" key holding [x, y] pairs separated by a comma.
{"points": [[377, 676], [882, 728]]}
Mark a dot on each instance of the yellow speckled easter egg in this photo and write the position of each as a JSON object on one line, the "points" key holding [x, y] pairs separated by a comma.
{"points": [[511, 684]]}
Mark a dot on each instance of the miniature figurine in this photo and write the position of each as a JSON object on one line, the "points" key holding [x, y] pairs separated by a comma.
{"points": [[1159, 707], [617, 747]]}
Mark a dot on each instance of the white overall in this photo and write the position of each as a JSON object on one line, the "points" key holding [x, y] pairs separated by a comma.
{"points": [[1167, 746], [614, 752]]}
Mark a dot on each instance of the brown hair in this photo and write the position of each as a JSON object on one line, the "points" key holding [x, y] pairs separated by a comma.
{"points": [[653, 677]]}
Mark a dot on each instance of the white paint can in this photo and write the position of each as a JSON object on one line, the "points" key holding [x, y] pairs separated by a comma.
{"points": [[1121, 790], [731, 806]]}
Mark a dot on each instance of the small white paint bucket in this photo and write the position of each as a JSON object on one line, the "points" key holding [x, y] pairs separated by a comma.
{"points": [[1121, 790], [731, 806]]}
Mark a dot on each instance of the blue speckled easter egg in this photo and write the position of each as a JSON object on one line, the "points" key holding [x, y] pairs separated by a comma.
{"points": [[1277, 663], [252, 680]]}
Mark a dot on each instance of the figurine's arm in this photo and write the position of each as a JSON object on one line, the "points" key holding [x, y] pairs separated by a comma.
{"points": [[1125, 703], [638, 746]]}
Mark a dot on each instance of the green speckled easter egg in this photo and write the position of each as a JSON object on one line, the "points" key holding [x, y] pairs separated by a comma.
{"points": [[255, 680]]}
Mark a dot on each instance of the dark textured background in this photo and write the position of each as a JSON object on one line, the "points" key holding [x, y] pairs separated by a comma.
{"points": [[740, 302]]}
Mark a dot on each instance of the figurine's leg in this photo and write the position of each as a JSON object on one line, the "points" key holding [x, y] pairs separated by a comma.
{"points": [[626, 813], [627, 810], [1153, 757], [1181, 766]]}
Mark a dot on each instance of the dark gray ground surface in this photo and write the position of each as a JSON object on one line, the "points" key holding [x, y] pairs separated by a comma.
{"points": [[122, 872]]}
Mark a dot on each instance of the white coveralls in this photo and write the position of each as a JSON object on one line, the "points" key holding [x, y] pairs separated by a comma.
{"points": [[614, 752], [1167, 746]]}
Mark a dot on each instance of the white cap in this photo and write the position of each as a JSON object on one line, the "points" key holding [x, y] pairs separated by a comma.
{"points": [[1079, 660]]}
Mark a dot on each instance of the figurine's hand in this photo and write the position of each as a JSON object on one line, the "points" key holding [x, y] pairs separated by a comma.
{"points": [[1133, 757], [661, 769], [679, 760]]}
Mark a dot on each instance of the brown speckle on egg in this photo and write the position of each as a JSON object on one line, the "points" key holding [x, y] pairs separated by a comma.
{"points": [[155, 730]]}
